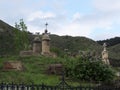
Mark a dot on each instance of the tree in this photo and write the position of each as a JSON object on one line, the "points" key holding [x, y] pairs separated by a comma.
{"points": [[21, 36]]}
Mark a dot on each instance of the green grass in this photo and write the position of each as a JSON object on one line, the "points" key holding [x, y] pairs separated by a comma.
{"points": [[34, 70]]}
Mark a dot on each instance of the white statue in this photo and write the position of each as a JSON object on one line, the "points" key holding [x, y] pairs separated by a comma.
{"points": [[105, 55]]}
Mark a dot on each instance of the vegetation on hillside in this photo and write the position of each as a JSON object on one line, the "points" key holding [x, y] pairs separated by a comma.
{"points": [[89, 70], [21, 37], [114, 51], [110, 42], [74, 45], [78, 66], [35, 67], [13, 40]]}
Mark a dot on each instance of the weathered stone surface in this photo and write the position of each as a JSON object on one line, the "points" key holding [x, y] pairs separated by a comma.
{"points": [[26, 53], [45, 43], [13, 65], [105, 55], [37, 45], [55, 69]]}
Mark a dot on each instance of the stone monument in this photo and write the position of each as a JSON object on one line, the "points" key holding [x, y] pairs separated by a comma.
{"points": [[105, 55], [45, 42], [37, 45]]}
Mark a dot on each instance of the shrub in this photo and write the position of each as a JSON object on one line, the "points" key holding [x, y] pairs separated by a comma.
{"points": [[88, 70]]}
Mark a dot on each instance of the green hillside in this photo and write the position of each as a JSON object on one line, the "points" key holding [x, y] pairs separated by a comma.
{"points": [[73, 43], [110, 42], [60, 44], [114, 51], [34, 70], [6, 38], [11, 39]]}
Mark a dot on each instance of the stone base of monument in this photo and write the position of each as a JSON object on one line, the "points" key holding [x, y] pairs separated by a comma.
{"points": [[13, 65], [51, 54], [26, 53]]}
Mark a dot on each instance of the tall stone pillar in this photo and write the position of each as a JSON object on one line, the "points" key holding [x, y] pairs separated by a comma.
{"points": [[37, 45], [105, 55], [45, 43]]}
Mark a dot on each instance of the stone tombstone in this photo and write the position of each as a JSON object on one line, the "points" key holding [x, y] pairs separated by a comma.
{"points": [[55, 69], [105, 55], [37, 45], [13, 65]]}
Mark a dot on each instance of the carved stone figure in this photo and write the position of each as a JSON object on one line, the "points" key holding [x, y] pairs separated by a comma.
{"points": [[105, 55]]}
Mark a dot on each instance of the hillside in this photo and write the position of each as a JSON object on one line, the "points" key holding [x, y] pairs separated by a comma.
{"points": [[11, 39], [110, 42], [114, 51], [6, 38], [59, 43], [113, 47], [74, 44], [34, 71]]}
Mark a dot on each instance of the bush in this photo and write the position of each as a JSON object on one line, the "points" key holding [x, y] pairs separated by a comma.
{"points": [[87, 70]]}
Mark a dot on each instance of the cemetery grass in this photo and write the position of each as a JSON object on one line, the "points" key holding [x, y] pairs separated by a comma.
{"points": [[34, 71]]}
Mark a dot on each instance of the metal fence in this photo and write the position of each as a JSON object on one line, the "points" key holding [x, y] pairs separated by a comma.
{"points": [[62, 86]]}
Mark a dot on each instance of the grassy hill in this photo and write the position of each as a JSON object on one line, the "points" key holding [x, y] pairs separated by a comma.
{"points": [[35, 68], [114, 51], [6, 38], [73, 43], [58, 43], [10, 39], [110, 42]]}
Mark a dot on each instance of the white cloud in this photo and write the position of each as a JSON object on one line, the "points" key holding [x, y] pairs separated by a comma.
{"points": [[77, 16], [107, 5], [104, 15], [41, 15], [75, 29], [80, 24], [105, 35]]}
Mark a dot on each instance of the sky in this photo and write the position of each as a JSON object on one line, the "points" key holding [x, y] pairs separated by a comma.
{"points": [[95, 19]]}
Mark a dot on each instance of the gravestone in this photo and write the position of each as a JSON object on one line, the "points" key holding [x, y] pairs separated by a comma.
{"points": [[13, 65], [55, 69]]}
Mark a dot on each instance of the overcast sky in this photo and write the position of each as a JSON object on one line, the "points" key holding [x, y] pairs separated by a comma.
{"points": [[95, 19]]}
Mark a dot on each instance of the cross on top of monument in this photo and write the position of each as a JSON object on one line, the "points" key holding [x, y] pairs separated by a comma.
{"points": [[46, 25]]}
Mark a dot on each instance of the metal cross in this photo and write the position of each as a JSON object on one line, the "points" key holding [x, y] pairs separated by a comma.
{"points": [[46, 25]]}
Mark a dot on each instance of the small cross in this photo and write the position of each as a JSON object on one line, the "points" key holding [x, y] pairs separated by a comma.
{"points": [[46, 25]]}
